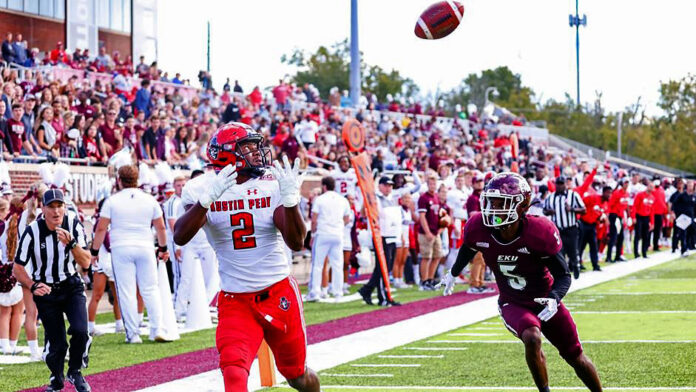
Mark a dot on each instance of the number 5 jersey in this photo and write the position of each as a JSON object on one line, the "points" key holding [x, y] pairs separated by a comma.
{"points": [[250, 249], [519, 265]]}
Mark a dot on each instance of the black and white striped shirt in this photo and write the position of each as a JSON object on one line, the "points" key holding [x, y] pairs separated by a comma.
{"points": [[558, 202], [50, 261]]}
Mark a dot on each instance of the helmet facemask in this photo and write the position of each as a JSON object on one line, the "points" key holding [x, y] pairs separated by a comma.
{"points": [[499, 209], [247, 155]]}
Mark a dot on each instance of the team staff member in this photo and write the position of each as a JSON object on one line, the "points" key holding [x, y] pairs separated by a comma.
{"points": [[588, 223], [659, 213], [330, 214], [618, 205], [131, 212], [562, 206], [643, 214], [55, 244]]}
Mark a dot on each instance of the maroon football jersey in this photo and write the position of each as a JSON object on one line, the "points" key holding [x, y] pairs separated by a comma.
{"points": [[519, 271]]}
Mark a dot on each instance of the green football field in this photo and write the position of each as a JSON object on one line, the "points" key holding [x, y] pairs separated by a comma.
{"points": [[640, 331]]}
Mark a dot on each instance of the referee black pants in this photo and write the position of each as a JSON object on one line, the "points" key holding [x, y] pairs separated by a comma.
{"points": [[642, 235], [588, 235], [69, 299], [569, 238], [376, 281]]}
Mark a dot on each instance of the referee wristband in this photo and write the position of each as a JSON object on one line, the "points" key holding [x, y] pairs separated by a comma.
{"points": [[34, 286], [161, 249], [71, 244], [94, 252]]}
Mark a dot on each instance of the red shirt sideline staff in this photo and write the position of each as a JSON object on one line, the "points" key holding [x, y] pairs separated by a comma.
{"points": [[588, 224], [618, 205], [643, 214]]}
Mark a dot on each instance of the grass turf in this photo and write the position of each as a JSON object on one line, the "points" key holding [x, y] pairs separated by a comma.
{"points": [[628, 364], [110, 352]]}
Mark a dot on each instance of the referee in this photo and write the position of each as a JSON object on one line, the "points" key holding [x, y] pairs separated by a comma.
{"points": [[562, 207], [54, 244]]}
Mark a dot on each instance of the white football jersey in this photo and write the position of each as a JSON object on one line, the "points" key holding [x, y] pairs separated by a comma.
{"points": [[346, 182], [240, 228]]}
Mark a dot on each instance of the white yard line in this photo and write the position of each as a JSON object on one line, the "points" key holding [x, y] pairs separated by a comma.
{"points": [[633, 311], [386, 365], [475, 334], [502, 388], [355, 375], [410, 356], [436, 348], [582, 341], [333, 352], [649, 293]]}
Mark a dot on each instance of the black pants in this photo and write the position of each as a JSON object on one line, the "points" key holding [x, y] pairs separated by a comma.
{"points": [[657, 232], [616, 236], [678, 238], [588, 235], [691, 236], [376, 281], [642, 235], [68, 299], [569, 238]]}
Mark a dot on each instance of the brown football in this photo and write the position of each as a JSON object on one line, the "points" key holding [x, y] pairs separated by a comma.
{"points": [[439, 20]]}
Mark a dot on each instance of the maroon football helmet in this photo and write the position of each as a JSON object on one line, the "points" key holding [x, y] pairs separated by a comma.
{"points": [[225, 148], [505, 199]]}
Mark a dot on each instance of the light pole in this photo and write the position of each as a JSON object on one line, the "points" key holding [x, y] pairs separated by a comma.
{"points": [[354, 55], [576, 21]]}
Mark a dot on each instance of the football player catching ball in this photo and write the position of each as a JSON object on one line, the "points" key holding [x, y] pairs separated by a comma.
{"points": [[249, 211]]}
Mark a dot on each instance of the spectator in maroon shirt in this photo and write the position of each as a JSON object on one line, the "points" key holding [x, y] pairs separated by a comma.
{"points": [[436, 158], [129, 131], [110, 133], [83, 108], [290, 146], [429, 242], [16, 131], [473, 203]]}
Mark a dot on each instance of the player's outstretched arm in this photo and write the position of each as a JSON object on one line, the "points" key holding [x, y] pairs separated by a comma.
{"points": [[558, 267], [287, 216], [464, 257], [195, 216]]}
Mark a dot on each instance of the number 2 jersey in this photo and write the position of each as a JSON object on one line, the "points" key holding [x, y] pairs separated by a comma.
{"points": [[240, 228], [519, 266]]}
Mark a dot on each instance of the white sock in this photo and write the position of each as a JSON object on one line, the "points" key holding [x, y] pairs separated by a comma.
{"points": [[13, 345], [325, 290], [140, 317], [119, 324], [33, 346], [90, 326], [5, 345]]}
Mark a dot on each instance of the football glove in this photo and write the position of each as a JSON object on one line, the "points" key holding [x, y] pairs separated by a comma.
{"points": [[289, 181], [550, 309], [218, 185], [447, 283]]}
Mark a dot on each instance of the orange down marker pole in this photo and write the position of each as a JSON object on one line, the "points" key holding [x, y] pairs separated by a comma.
{"points": [[266, 365]]}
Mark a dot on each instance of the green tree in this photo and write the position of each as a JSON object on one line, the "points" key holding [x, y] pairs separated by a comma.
{"points": [[330, 66]]}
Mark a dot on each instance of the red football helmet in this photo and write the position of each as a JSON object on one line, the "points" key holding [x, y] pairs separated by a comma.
{"points": [[225, 148]]}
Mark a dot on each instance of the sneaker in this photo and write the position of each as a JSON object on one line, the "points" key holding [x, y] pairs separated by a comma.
{"points": [[576, 273], [596, 269], [346, 289], [55, 384], [75, 378], [367, 297], [134, 340], [620, 258], [310, 298], [120, 329], [473, 290], [36, 357], [582, 267], [388, 303], [161, 337], [486, 290], [96, 332]]}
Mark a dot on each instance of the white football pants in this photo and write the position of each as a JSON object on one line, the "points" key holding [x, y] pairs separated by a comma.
{"points": [[137, 265], [331, 246]]}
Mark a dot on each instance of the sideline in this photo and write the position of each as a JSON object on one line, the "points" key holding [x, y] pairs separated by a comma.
{"points": [[333, 352]]}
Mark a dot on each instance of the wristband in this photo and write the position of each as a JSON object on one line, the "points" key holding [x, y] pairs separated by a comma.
{"points": [[72, 244], [94, 252], [161, 249], [34, 287]]}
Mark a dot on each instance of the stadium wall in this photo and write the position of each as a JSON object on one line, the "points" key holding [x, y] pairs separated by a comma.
{"points": [[40, 32]]}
